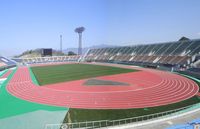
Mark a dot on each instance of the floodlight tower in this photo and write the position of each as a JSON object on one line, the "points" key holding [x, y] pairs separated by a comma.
{"points": [[61, 43], [80, 30]]}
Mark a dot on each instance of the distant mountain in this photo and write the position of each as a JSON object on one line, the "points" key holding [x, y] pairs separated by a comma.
{"points": [[102, 46], [75, 50]]}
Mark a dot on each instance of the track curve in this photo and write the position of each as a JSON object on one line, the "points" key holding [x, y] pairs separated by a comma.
{"points": [[148, 88]]}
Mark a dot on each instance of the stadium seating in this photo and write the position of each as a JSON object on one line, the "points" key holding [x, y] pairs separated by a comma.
{"points": [[173, 53], [47, 59], [190, 125], [2, 64], [180, 53], [6, 63], [196, 70]]}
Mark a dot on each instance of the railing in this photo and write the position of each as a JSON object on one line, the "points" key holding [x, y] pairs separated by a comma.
{"points": [[107, 123]]}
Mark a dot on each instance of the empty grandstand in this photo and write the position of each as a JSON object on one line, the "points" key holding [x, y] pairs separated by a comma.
{"points": [[6, 63], [181, 53], [47, 59]]}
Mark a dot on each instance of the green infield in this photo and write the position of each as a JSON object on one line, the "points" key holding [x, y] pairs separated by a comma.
{"points": [[83, 115], [69, 72]]}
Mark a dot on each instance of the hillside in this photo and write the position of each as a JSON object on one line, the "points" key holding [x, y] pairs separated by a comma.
{"points": [[37, 53]]}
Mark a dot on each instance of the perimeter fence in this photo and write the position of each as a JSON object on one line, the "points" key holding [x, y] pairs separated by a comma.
{"points": [[107, 123]]}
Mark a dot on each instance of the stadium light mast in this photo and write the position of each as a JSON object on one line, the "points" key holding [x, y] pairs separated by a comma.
{"points": [[79, 30], [61, 43]]}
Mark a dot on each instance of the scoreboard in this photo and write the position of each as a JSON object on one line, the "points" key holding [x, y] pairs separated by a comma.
{"points": [[47, 52]]}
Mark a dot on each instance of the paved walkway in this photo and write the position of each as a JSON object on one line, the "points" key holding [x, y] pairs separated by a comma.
{"points": [[33, 120]]}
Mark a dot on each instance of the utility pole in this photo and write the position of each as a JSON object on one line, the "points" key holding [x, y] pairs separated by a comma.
{"points": [[61, 43]]}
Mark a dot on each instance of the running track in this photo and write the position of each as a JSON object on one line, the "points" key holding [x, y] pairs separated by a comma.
{"points": [[148, 88], [6, 74]]}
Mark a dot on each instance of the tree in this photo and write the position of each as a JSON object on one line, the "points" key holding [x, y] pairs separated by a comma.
{"points": [[71, 53]]}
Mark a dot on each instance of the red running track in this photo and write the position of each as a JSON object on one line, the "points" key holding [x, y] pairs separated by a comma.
{"points": [[6, 74], [148, 88]]}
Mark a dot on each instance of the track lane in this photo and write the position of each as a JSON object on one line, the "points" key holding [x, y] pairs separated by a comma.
{"points": [[164, 88]]}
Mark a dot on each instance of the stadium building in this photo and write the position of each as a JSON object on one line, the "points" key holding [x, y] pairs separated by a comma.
{"points": [[141, 86]]}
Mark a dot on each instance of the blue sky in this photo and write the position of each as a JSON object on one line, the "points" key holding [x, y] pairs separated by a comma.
{"points": [[30, 24]]}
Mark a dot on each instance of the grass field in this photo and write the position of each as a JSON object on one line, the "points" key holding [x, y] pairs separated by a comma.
{"points": [[68, 72], [82, 115]]}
